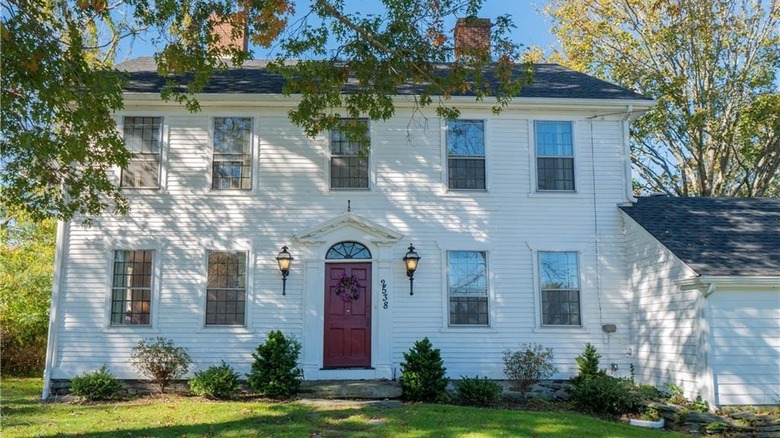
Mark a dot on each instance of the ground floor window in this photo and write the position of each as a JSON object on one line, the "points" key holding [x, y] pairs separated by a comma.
{"points": [[560, 288], [131, 291], [467, 287], [226, 290]]}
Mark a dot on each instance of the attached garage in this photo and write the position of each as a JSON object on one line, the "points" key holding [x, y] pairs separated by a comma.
{"points": [[705, 283]]}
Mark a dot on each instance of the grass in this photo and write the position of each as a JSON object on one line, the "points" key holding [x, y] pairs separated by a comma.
{"points": [[23, 415]]}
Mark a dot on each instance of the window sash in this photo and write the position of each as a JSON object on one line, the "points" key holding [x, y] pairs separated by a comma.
{"points": [[226, 288], [143, 138], [232, 154], [131, 287], [467, 288], [466, 173], [561, 307]]}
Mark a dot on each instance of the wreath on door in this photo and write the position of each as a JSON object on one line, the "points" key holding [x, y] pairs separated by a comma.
{"points": [[347, 289]]}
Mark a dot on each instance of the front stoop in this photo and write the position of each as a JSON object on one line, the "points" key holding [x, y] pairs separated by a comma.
{"points": [[350, 389]]}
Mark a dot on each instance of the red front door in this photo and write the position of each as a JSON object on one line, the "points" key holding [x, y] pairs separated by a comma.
{"points": [[347, 316]]}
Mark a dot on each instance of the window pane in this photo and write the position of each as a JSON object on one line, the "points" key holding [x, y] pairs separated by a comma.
{"points": [[555, 173], [466, 138], [232, 162], [348, 169], [467, 287], [558, 270], [131, 294], [465, 173], [226, 291], [143, 137]]}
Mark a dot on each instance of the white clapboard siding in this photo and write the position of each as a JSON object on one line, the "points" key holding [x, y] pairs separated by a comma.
{"points": [[665, 321], [408, 194]]}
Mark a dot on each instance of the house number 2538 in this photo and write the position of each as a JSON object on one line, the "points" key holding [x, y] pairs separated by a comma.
{"points": [[384, 294]]}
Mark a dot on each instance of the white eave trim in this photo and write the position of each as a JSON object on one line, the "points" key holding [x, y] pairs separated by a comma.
{"points": [[730, 280], [403, 101]]}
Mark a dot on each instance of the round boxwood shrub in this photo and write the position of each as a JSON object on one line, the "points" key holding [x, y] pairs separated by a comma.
{"points": [[97, 385], [218, 382], [605, 395], [476, 391]]}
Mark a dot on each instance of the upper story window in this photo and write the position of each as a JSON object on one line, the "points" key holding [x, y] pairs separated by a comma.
{"points": [[467, 287], [232, 161], [348, 168], [466, 154], [131, 287], [554, 156], [143, 138], [560, 288], [226, 290]]}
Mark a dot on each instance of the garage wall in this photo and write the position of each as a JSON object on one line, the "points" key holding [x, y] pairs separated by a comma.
{"points": [[745, 345]]}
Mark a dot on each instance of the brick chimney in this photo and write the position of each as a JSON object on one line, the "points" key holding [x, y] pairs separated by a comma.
{"points": [[224, 29], [472, 38]]}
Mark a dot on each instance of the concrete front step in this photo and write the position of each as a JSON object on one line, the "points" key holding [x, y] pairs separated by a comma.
{"points": [[350, 389]]}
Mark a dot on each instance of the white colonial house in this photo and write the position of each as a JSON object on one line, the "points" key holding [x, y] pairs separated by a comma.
{"points": [[514, 217]]}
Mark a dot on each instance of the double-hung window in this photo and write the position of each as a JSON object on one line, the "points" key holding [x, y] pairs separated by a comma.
{"points": [[466, 154], [554, 156], [348, 166], [232, 161], [226, 290], [560, 288], [467, 287], [131, 288], [143, 138]]}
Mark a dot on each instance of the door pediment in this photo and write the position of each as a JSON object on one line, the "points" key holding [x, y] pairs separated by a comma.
{"points": [[374, 232]]}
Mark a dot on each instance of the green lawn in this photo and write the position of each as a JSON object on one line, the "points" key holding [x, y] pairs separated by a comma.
{"points": [[171, 416]]}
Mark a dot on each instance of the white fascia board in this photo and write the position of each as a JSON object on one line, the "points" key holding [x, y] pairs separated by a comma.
{"points": [[609, 106], [731, 280]]}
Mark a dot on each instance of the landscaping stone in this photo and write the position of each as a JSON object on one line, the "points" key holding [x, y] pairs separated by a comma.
{"points": [[350, 389]]}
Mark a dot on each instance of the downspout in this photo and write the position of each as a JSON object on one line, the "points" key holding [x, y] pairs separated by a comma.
{"points": [[60, 256], [627, 174]]}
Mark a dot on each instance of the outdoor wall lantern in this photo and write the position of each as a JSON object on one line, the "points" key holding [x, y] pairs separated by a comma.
{"points": [[410, 260], [285, 259]]}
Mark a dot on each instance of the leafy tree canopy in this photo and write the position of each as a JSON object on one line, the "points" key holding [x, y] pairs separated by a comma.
{"points": [[711, 64], [60, 87]]}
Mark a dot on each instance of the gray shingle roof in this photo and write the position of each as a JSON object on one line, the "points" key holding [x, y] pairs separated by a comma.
{"points": [[715, 236], [550, 81]]}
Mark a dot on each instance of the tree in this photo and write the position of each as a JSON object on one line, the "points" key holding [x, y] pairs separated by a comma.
{"points": [[712, 65], [26, 271], [60, 87]]}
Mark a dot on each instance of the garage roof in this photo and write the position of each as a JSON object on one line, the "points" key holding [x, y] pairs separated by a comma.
{"points": [[715, 236]]}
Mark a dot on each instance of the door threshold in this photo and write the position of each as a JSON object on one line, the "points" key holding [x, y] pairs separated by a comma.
{"points": [[345, 368]]}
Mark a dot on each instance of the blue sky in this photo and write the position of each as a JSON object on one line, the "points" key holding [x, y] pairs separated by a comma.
{"points": [[532, 27]]}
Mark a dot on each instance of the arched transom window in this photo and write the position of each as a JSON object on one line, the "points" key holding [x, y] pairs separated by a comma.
{"points": [[348, 251]]}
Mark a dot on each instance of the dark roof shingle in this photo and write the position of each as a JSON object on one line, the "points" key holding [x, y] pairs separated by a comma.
{"points": [[549, 81], [715, 236]]}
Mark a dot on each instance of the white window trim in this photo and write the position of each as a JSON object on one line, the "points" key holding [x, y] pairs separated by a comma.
{"points": [[576, 141], [371, 169], [254, 157], [539, 325], [163, 171], [445, 163], [112, 245], [463, 328], [246, 246]]}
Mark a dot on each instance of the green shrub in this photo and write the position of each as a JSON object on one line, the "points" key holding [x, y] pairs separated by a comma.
{"points": [[528, 365], [605, 395], [648, 392], [275, 372], [160, 360], [588, 363], [97, 385], [423, 375], [478, 391], [220, 382]]}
